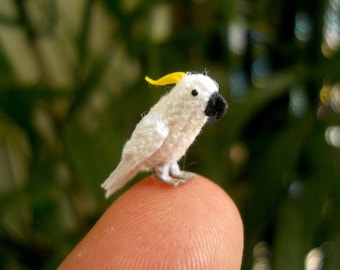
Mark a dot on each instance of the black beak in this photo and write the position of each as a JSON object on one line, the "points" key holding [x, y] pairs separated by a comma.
{"points": [[216, 108]]}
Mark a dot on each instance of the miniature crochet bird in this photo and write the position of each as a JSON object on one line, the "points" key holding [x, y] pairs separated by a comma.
{"points": [[163, 136]]}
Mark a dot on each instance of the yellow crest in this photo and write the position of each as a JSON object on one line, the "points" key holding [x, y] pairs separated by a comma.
{"points": [[171, 78]]}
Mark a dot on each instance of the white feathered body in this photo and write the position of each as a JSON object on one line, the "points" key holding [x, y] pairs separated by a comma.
{"points": [[163, 136]]}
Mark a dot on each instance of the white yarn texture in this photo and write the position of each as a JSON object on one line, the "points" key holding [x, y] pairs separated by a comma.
{"points": [[163, 136]]}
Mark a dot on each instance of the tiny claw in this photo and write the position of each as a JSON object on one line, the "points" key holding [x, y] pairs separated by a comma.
{"points": [[185, 175], [171, 180], [176, 179]]}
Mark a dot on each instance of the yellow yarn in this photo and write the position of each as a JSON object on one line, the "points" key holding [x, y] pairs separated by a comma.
{"points": [[171, 78]]}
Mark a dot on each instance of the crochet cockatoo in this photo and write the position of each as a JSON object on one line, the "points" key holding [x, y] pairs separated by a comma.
{"points": [[163, 136]]}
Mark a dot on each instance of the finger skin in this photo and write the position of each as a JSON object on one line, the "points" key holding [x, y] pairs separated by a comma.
{"points": [[157, 226]]}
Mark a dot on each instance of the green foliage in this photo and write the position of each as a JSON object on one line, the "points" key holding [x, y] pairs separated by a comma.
{"points": [[72, 89]]}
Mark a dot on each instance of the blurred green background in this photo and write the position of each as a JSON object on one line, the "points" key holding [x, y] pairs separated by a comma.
{"points": [[72, 89]]}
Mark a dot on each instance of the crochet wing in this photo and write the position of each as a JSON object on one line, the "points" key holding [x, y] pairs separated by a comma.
{"points": [[145, 140]]}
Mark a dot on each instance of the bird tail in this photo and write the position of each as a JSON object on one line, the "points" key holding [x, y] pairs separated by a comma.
{"points": [[119, 177]]}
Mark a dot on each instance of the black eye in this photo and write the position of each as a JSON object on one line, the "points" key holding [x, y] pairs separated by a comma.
{"points": [[194, 92]]}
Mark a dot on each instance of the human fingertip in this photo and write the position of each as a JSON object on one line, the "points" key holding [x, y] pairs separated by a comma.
{"points": [[155, 226]]}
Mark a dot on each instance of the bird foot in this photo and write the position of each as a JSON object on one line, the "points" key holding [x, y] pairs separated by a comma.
{"points": [[183, 175], [176, 179], [173, 181]]}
